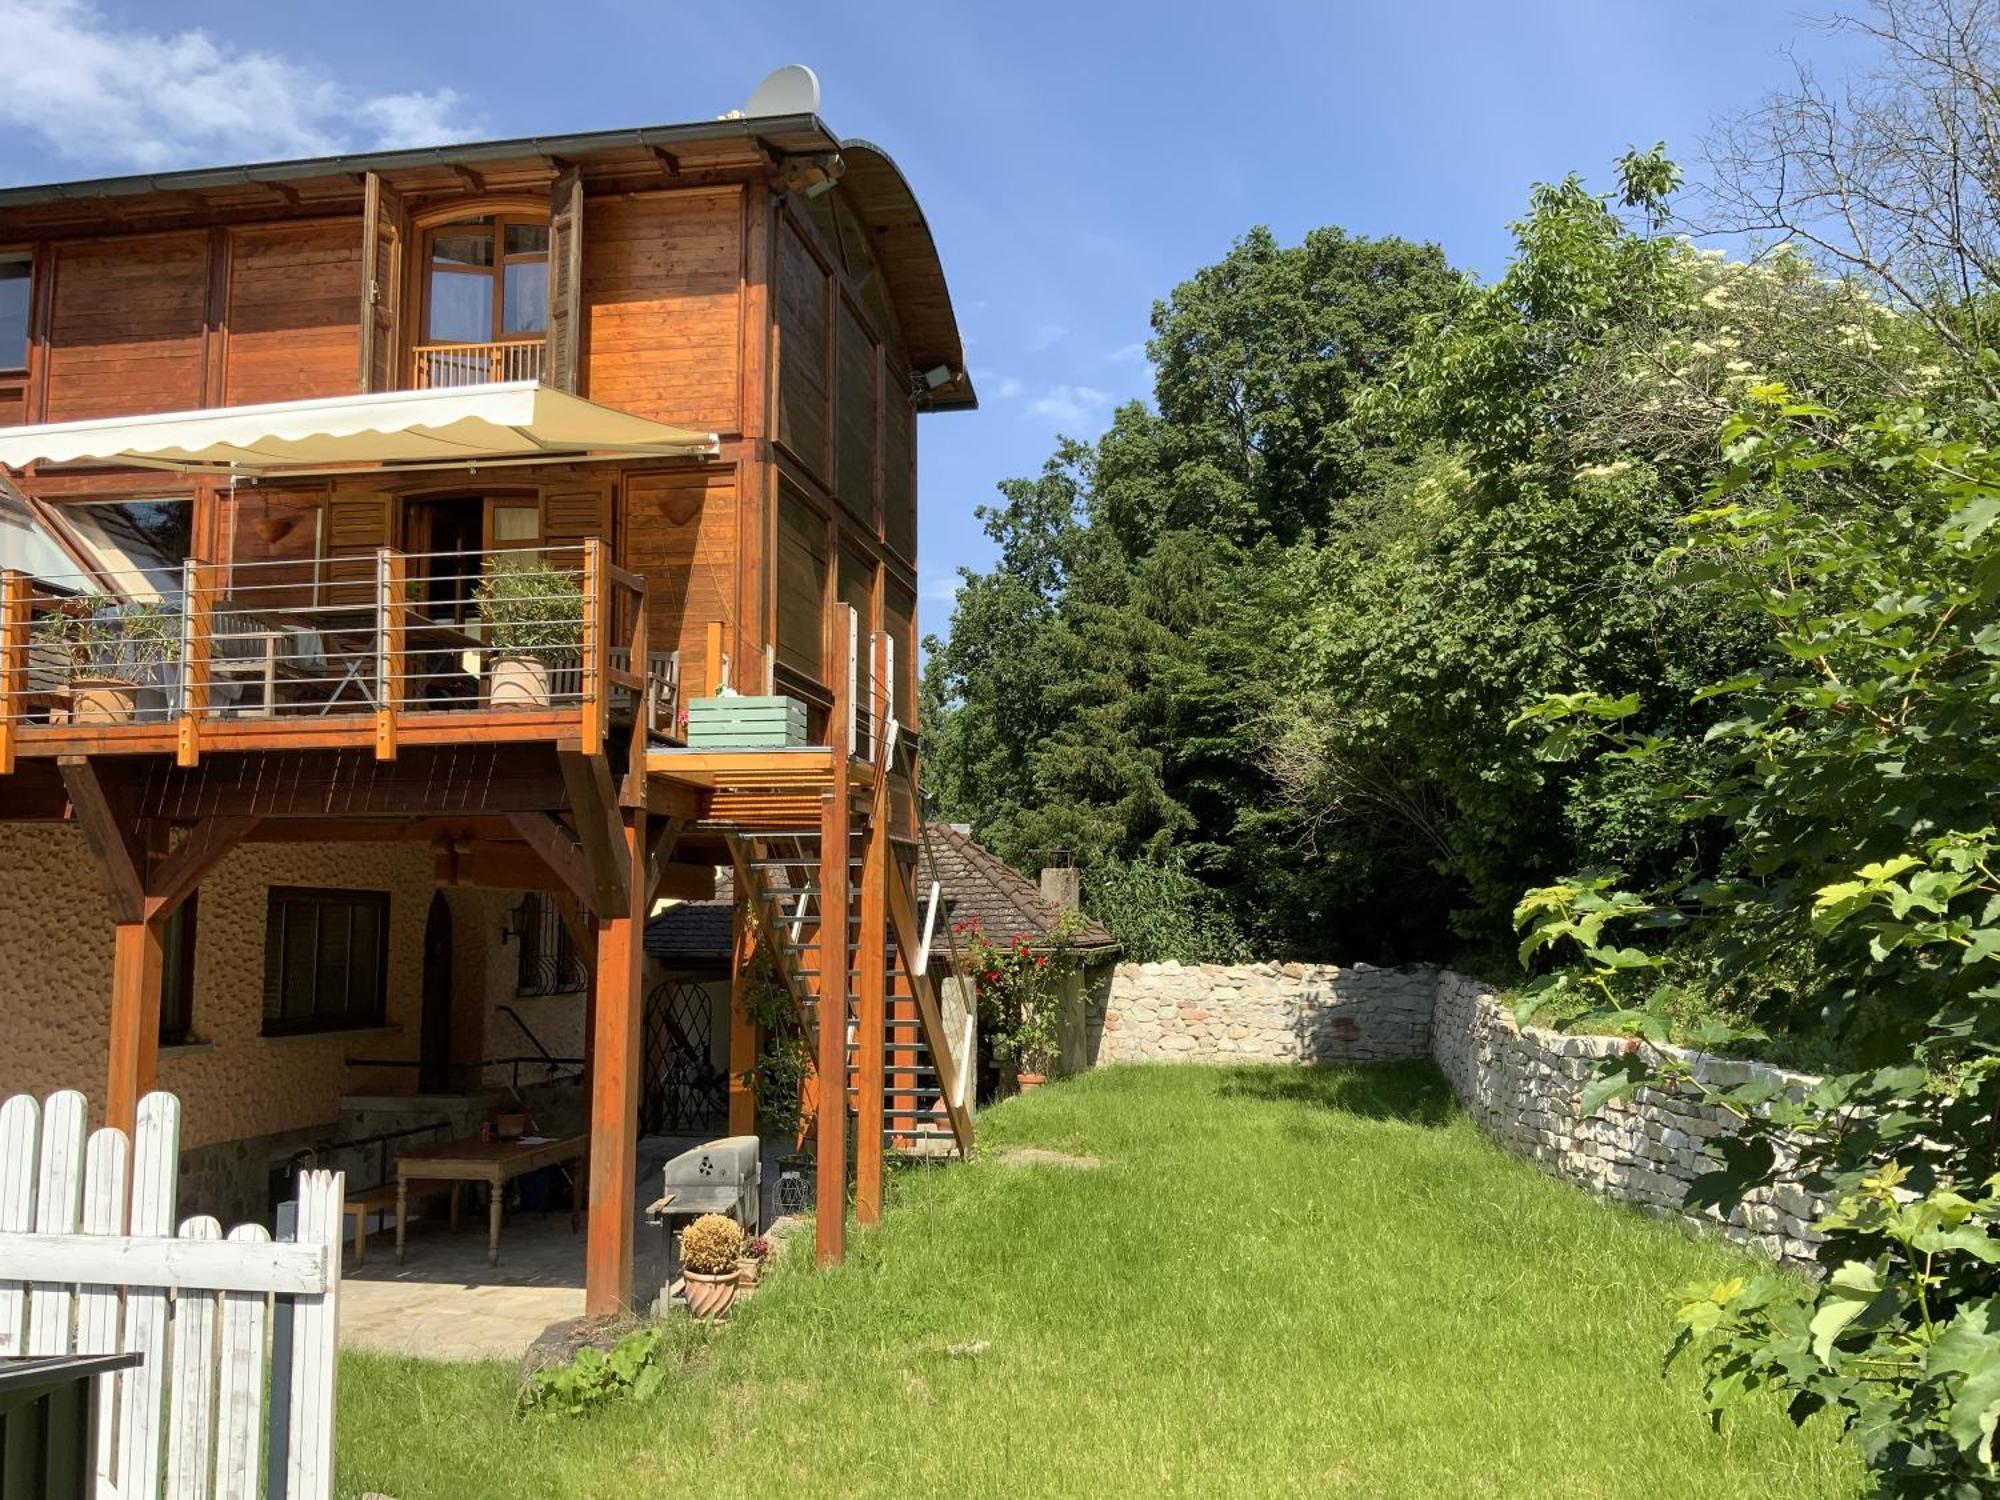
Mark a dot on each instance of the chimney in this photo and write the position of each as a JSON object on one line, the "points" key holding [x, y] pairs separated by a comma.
{"points": [[1063, 888]]}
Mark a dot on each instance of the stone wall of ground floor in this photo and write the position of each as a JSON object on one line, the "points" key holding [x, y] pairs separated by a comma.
{"points": [[1521, 1085]]}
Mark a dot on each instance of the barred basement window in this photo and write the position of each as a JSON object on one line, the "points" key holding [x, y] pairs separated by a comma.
{"points": [[548, 964], [326, 960]]}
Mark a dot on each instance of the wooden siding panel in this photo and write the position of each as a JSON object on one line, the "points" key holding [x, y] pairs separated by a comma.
{"points": [[679, 533], [899, 471], [293, 332], [801, 635], [803, 425], [854, 463], [662, 292], [126, 327], [899, 618]]}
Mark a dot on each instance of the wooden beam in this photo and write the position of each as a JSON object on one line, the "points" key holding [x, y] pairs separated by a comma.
{"points": [[662, 836], [870, 1019], [673, 799], [557, 848], [174, 879], [742, 1031], [593, 802], [616, 1060], [113, 839]]}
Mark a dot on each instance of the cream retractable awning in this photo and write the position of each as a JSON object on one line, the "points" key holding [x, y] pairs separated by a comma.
{"points": [[476, 424]]}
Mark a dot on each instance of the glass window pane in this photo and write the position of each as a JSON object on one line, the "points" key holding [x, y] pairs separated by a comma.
{"points": [[526, 298], [138, 545], [461, 308], [517, 523], [527, 239], [13, 314], [458, 247]]}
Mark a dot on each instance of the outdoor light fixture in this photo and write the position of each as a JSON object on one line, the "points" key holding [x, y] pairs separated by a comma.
{"points": [[936, 376]]}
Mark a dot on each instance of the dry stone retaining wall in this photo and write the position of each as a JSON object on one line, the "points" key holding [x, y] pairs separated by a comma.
{"points": [[1520, 1086], [1223, 1013]]}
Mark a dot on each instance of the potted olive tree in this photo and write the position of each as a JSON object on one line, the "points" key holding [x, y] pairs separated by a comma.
{"points": [[710, 1249], [534, 615], [109, 650]]}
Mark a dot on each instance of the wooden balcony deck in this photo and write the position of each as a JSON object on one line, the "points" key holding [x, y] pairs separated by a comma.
{"points": [[378, 652]]}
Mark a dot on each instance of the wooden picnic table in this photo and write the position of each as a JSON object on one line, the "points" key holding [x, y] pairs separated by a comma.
{"points": [[495, 1163]]}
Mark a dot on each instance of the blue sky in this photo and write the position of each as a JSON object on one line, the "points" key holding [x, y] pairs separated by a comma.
{"points": [[1075, 160]]}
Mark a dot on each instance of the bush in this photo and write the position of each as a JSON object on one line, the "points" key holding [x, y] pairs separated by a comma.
{"points": [[534, 609], [1160, 911]]}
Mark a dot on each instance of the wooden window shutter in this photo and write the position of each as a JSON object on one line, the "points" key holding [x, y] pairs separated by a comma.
{"points": [[384, 236], [565, 278], [357, 525], [570, 517]]}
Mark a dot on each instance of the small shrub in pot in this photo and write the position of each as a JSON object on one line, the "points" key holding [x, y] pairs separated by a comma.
{"points": [[710, 1248], [534, 615]]}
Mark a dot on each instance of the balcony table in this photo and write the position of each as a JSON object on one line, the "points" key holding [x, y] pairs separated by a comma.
{"points": [[495, 1163]]}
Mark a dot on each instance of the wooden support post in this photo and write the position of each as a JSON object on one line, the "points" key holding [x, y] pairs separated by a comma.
{"points": [[15, 602], [742, 1031], [871, 950], [596, 647], [835, 957], [197, 647], [136, 975], [615, 1062], [392, 662]]}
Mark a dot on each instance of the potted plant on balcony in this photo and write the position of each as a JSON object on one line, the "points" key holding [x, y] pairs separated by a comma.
{"points": [[534, 615], [109, 650], [710, 1248]]}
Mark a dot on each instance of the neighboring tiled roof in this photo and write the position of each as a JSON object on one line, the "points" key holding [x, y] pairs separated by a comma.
{"points": [[693, 929], [977, 887]]}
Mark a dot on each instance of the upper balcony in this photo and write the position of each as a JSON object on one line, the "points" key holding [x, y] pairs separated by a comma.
{"points": [[547, 644]]}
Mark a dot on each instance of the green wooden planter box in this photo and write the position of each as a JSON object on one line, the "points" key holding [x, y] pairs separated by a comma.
{"points": [[745, 723]]}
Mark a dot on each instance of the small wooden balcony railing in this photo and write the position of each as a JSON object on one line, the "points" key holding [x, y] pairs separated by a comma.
{"points": [[386, 649], [442, 366]]}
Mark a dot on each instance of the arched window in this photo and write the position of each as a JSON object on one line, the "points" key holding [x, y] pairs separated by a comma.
{"points": [[486, 282]]}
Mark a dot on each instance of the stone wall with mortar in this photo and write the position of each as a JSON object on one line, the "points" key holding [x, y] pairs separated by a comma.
{"points": [[1266, 1012], [1520, 1086], [247, 1100]]}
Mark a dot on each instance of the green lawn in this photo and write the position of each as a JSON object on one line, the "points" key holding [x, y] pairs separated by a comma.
{"points": [[1278, 1282]]}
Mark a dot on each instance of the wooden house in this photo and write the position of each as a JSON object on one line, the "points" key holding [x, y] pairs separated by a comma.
{"points": [[285, 444]]}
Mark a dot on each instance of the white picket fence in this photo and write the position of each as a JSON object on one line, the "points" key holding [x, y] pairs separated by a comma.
{"points": [[233, 1398]]}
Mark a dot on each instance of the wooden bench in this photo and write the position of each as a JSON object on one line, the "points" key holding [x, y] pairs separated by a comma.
{"points": [[375, 1200]]}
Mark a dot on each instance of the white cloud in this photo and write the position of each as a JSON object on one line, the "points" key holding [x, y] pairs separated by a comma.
{"points": [[1006, 387], [938, 588], [1130, 354], [1047, 336], [106, 94], [1069, 405]]}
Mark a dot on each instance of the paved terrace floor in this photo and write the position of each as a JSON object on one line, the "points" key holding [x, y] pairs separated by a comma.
{"points": [[446, 1302]]}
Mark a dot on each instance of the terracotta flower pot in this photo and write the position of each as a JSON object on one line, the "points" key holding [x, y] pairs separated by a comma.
{"points": [[511, 1126], [748, 1269], [519, 682], [708, 1297], [1029, 1082], [102, 700]]}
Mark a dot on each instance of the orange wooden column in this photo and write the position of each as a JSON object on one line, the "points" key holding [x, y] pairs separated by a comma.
{"points": [[870, 1007], [614, 1084], [742, 1032], [136, 974], [830, 1121]]}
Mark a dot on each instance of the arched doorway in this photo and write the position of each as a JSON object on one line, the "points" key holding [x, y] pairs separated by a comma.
{"points": [[434, 1031]]}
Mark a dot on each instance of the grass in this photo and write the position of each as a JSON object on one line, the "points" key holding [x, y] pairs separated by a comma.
{"points": [[1278, 1282]]}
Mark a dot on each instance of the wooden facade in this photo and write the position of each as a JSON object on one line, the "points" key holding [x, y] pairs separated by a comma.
{"points": [[702, 276]]}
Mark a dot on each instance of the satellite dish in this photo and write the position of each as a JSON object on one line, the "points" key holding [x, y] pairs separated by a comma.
{"points": [[790, 90]]}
